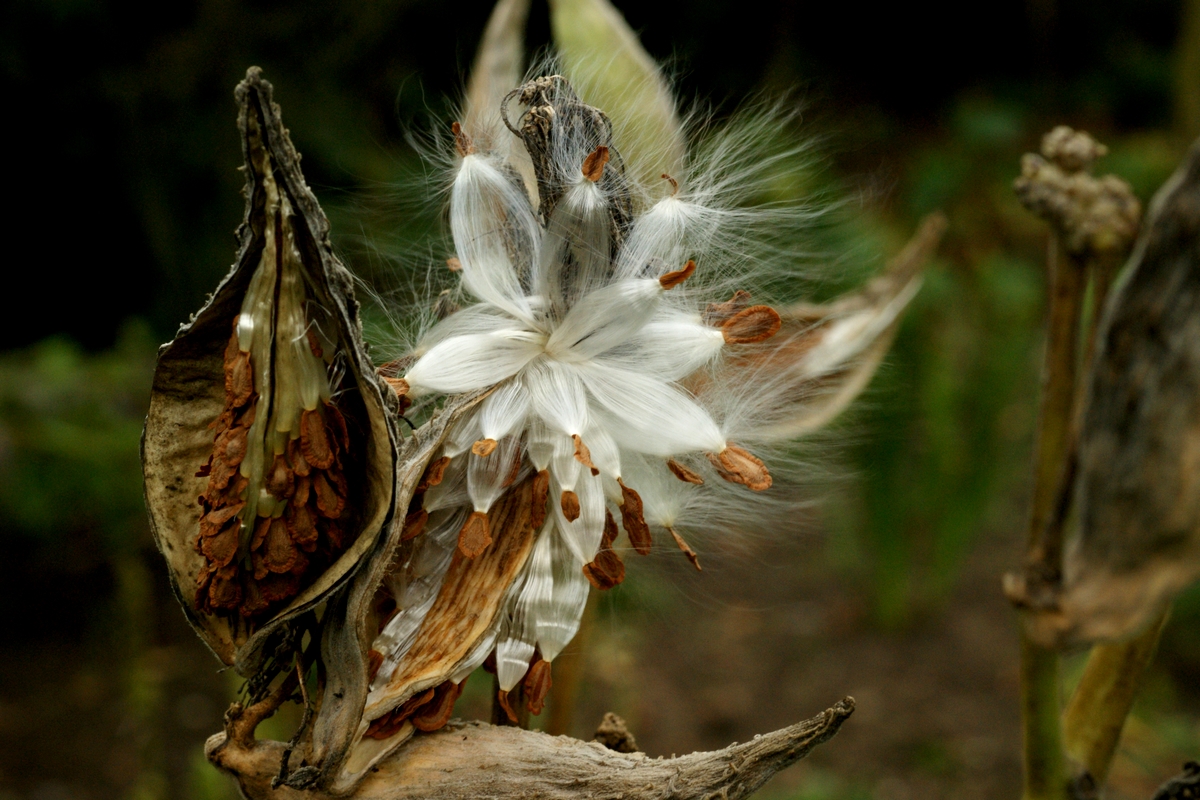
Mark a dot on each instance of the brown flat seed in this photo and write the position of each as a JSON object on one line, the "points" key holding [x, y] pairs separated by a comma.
{"points": [[474, 536], [683, 545], [314, 442], [302, 491], [537, 686], [605, 571], [502, 696], [462, 142], [750, 325], [329, 504], [302, 526], [230, 446], [239, 381], [314, 344], [224, 591], [335, 424], [275, 588], [335, 534], [683, 473], [583, 455], [739, 466], [296, 458], [634, 521], [280, 553], [674, 183], [221, 548], [261, 526], [593, 165], [433, 474], [220, 474], [718, 313], [484, 447], [436, 713], [414, 524], [253, 601], [570, 505], [609, 535], [454, 264], [399, 385], [673, 279], [541, 493], [280, 480], [215, 521], [374, 662]]}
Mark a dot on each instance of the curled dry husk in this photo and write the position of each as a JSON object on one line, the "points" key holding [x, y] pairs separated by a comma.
{"points": [[1137, 493], [290, 357]]}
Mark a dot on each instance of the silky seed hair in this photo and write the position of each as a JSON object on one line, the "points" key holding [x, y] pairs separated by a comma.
{"points": [[614, 324]]}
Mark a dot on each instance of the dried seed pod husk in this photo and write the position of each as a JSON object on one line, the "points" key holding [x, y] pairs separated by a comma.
{"points": [[464, 614], [1137, 491], [288, 403]]}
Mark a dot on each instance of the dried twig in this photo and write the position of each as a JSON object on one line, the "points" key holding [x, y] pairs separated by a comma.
{"points": [[472, 759]]}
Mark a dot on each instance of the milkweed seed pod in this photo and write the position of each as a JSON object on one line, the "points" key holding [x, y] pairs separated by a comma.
{"points": [[268, 450], [1137, 543], [610, 374], [605, 395]]}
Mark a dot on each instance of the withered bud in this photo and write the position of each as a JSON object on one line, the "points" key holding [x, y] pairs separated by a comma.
{"points": [[751, 325], [739, 466], [683, 473], [673, 279]]}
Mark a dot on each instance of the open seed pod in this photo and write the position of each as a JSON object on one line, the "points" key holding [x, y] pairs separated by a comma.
{"points": [[268, 452]]}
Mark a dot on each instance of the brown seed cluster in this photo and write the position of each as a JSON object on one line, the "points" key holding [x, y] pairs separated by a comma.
{"points": [[254, 567], [428, 711]]}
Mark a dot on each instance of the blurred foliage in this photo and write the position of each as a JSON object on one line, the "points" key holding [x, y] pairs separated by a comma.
{"points": [[137, 111]]}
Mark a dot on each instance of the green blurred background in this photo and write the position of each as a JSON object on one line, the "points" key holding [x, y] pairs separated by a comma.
{"points": [[125, 159]]}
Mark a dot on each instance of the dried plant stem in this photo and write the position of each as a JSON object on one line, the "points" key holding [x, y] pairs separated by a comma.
{"points": [[1096, 714], [1045, 764], [472, 759]]}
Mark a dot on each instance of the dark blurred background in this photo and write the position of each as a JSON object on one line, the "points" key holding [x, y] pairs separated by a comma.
{"points": [[125, 191]]}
